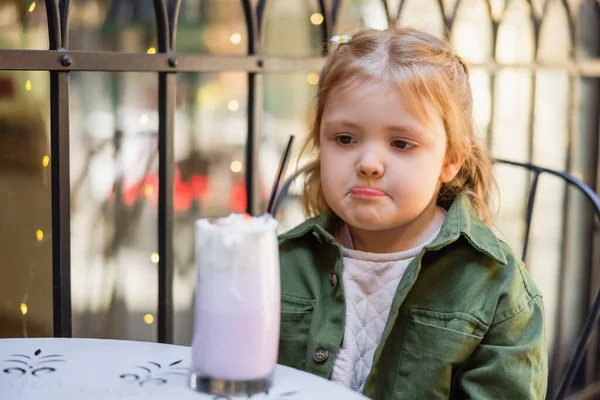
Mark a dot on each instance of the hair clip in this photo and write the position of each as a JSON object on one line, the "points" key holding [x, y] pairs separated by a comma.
{"points": [[341, 39]]}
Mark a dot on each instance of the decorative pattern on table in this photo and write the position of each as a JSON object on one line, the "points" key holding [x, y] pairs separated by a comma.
{"points": [[155, 373], [269, 395], [36, 365]]}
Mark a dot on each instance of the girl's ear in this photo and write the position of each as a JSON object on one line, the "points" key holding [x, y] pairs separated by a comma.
{"points": [[451, 167]]}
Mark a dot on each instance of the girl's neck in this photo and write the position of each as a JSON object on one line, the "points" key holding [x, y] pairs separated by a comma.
{"points": [[400, 238]]}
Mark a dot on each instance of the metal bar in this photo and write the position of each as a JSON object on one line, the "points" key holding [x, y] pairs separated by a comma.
{"points": [[60, 185], [584, 338], [594, 313], [495, 26], [61, 207], [559, 352], [251, 26], [592, 369], [167, 85], [283, 64], [537, 24], [38, 60], [450, 20], [173, 12], [325, 27], [251, 30], [255, 102], [530, 137], [531, 114], [572, 28], [579, 48], [260, 18], [53, 17], [490, 130], [441, 9], [571, 180], [388, 16], [528, 216], [534, 184], [162, 25], [50, 60], [400, 7], [591, 366], [63, 6]]}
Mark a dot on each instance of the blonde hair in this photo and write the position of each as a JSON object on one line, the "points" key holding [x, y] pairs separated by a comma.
{"points": [[428, 73]]}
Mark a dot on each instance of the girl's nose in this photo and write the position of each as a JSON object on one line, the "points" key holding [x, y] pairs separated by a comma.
{"points": [[370, 165]]}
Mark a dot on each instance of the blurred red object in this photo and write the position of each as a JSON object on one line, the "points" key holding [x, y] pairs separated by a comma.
{"points": [[238, 197], [198, 188]]}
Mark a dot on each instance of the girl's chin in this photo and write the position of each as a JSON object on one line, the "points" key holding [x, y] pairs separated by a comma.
{"points": [[371, 220]]}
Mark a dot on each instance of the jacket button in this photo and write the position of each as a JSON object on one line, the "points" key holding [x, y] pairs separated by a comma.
{"points": [[317, 236], [333, 279], [320, 354]]}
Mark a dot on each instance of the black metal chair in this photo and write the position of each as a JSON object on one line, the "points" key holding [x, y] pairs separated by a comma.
{"points": [[592, 318]]}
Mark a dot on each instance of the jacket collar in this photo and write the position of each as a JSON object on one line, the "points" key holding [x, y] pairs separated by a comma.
{"points": [[463, 221], [460, 221]]}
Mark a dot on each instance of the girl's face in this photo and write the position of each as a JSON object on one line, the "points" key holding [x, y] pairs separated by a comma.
{"points": [[380, 165]]}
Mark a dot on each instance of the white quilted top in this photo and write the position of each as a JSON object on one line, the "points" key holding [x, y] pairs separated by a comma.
{"points": [[370, 282]]}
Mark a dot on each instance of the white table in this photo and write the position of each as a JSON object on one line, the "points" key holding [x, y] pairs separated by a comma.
{"points": [[75, 369]]}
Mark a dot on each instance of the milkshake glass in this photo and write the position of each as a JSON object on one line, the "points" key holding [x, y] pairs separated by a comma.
{"points": [[237, 304]]}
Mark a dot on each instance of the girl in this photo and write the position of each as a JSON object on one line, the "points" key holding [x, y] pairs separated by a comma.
{"points": [[398, 288]]}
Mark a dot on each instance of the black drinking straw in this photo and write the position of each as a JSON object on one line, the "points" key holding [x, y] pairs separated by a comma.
{"points": [[280, 172]]}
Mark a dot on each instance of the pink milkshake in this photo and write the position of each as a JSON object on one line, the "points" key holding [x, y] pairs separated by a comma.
{"points": [[236, 317]]}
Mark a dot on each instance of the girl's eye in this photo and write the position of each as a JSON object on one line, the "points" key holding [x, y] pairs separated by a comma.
{"points": [[344, 139], [401, 144]]}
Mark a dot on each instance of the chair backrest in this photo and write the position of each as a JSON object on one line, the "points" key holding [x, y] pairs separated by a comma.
{"points": [[536, 171], [594, 313]]}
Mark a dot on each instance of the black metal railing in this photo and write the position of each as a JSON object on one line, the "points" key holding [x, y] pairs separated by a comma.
{"points": [[591, 321], [58, 14], [59, 60]]}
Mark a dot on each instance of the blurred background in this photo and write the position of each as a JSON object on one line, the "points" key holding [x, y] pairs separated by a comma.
{"points": [[535, 67]]}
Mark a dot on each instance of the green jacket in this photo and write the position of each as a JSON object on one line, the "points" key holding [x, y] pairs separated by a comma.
{"points": [[466, 321]]}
